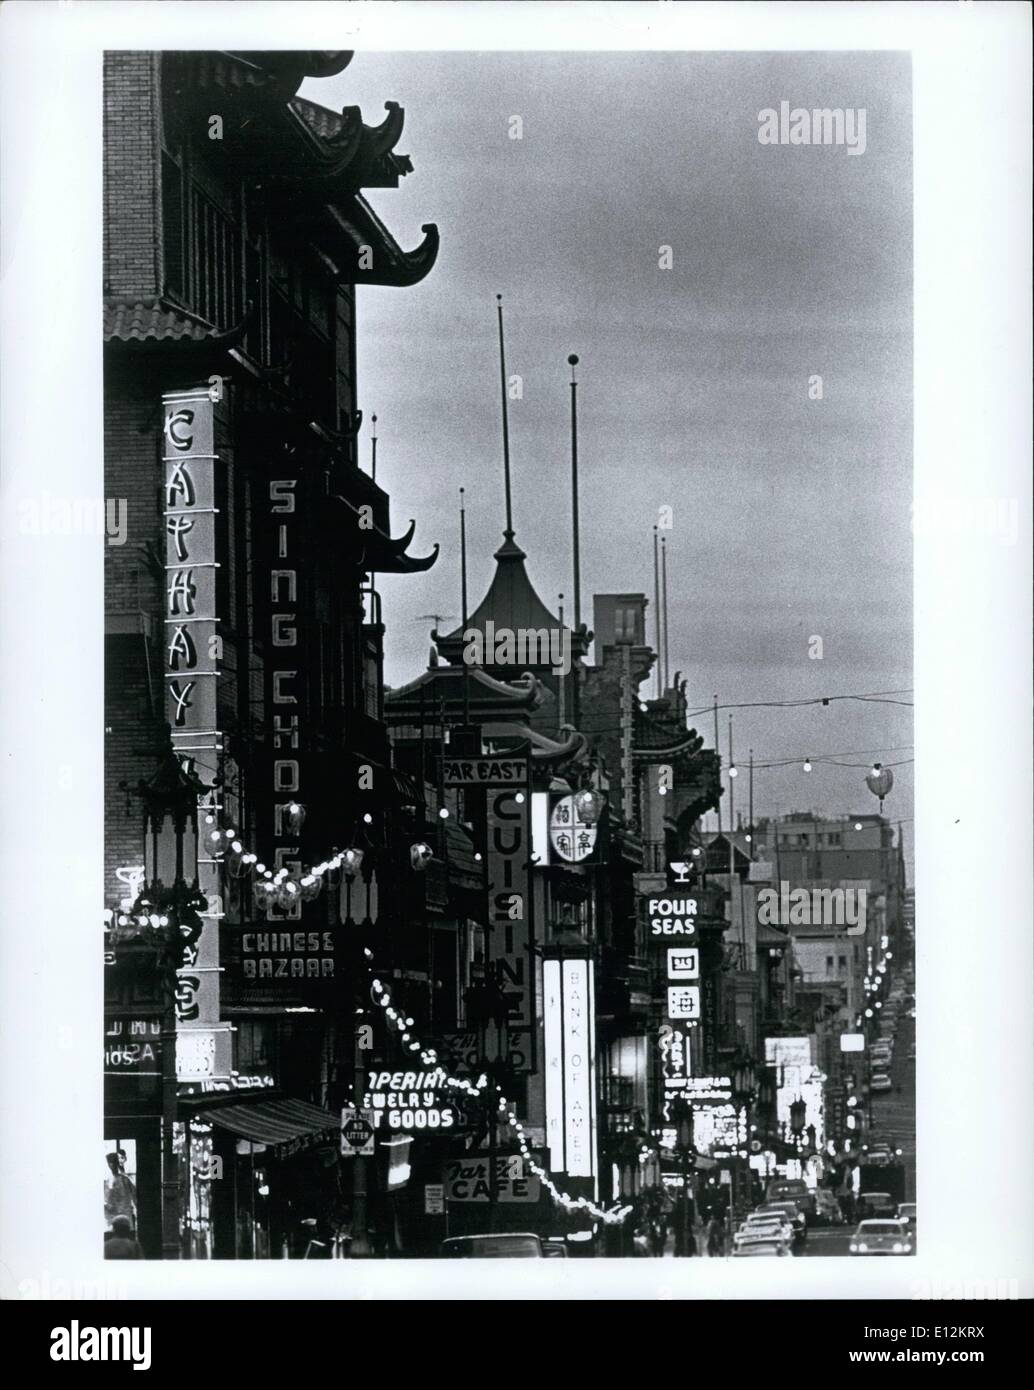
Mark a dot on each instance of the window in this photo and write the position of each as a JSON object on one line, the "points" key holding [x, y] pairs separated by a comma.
{"points": [[172, 223], [843, 962], [625, 626], [829, 965], [217, 287]]}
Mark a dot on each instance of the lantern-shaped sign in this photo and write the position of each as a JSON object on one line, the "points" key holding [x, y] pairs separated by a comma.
{"points": [[879, 781]]}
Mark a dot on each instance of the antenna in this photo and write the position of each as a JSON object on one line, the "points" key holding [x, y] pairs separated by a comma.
{"points": [[664, 602], [508, 533], [657, 610], [572, 362], [463, 558], [373, 451]]}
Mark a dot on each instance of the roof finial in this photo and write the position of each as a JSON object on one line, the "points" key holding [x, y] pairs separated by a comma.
{"points": [[463, 558], [572, 362], [508, 533]]}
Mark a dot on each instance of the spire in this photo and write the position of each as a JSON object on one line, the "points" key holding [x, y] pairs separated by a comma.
{"points": [[508, 533]]}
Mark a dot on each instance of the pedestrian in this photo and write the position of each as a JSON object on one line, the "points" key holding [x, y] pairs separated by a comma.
{"points": [[122, 1243], [119, 1191], [715, 1236]]}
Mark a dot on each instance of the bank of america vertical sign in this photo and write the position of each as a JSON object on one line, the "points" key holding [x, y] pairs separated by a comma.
{"points": [[570, 1047], [191, 673]]}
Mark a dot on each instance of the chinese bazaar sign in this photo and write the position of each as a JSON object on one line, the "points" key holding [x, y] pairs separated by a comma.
{"points": [[510, 936], [570, 1045], [193, 651]]}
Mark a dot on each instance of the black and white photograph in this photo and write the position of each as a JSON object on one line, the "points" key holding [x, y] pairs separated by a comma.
{"points": [[504, 576]]}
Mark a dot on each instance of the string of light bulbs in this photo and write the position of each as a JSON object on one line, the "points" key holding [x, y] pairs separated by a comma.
{"points": [[280, 887], [612, 1216]]}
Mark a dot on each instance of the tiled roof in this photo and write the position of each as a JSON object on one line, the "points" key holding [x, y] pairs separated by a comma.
{"points": [[321, 121], [156, 320]]}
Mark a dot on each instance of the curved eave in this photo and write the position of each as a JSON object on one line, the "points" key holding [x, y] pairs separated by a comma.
{"points": [[330, 156], [287, 70], [526, 692], [671, 751], [543, 749], [400, 564], [378, 140], [362, 231], [381, 553]]}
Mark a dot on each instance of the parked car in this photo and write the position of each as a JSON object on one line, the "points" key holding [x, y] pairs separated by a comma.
{"points": [[748, 1249], [508, 1245], [877, 1204], [791, 1211], [907, 1215], [879, 1153], [794, 1190], [776, 1226], [881, 1238], [881, 1082]]}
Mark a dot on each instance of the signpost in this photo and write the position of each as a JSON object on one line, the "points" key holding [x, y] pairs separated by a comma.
{"points": [[357, 1132]]}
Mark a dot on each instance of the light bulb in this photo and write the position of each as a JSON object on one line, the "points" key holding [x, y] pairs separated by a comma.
{"points": [[807, 765], [519, 798], [368, 818], [734, 771], [444, 813]]}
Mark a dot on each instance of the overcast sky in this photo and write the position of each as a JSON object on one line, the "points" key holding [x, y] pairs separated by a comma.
{"points": [[791, 516]]}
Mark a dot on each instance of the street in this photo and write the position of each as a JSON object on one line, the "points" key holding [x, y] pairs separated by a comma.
{"points": [[893, 1113]]}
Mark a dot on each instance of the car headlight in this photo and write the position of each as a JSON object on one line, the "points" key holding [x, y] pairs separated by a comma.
{"points": [[863, 1246], [853, 1246], [908, 1247], [898, 1247]]}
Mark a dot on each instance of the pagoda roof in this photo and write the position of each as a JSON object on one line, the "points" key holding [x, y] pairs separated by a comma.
{"points": [[573, 746], [511, 602], [485, 696], [311, 160]]}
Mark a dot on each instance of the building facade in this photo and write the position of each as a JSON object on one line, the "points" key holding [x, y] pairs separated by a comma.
{"points": [[244, 688]]}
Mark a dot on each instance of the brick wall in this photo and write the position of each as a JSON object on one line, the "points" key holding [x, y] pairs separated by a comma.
{"points": [[132, 165], [133, 610]]}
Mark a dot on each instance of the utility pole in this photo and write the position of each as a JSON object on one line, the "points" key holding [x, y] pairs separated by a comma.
{"points": [[360, 1248], [627, 788]]}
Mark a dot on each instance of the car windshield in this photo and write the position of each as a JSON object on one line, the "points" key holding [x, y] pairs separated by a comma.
{"points": [[907, 1210], [494, 1247], [880, 1228]]}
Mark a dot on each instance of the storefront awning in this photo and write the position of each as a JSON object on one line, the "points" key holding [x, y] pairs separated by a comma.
{"points": [[286, 1126]]}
